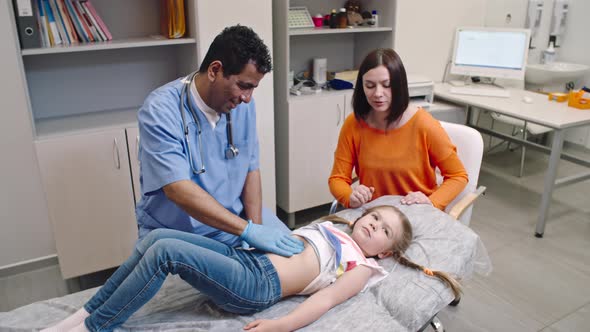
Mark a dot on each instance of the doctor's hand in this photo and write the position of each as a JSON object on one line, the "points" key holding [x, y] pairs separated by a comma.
{"points": [[361, 194], [415, 197], [271, 240]]}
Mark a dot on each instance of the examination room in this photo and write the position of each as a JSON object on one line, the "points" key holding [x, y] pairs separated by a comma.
{"points": [[282, 165]]}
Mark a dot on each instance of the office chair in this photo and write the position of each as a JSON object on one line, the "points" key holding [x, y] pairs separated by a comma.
{"points": [[518, 127]]}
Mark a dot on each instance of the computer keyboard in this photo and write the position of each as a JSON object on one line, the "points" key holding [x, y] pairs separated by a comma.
{"points": [[480, 91]]}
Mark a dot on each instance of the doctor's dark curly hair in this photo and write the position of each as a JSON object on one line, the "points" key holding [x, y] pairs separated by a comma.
{"points": [[235, 47]]}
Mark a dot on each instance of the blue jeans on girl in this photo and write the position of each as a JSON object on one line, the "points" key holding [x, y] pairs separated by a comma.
{"points": [[238, 281]]}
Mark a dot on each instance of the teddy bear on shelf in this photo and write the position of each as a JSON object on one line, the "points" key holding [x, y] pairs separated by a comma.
{"points": [[353, 11]]}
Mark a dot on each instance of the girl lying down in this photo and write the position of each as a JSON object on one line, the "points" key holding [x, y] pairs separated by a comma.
{"points": [[333, 267]]}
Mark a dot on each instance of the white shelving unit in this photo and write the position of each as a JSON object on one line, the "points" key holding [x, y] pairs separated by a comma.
{"points": [[70, 130], [75, 87], [307, 126], [83, 101]]}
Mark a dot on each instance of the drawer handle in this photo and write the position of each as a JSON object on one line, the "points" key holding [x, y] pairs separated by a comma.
{"points": [[116, 158]]}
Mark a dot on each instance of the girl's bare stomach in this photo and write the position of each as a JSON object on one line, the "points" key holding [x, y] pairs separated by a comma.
{"points": [[297, 271]]}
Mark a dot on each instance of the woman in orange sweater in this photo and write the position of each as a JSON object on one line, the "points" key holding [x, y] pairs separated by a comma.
{"points": [[393, 146]]}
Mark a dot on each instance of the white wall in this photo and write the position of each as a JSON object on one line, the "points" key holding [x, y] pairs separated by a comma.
{"points": [[576, 41], [424, 31], [25, 231], [574, 45], [497, 12], [213, 16]]}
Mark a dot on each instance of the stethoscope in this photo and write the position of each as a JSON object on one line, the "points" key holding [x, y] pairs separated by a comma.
{"points": [[230, 151]]}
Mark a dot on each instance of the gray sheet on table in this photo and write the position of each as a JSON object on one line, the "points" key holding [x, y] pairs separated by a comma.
{"points": [[404, 301]]}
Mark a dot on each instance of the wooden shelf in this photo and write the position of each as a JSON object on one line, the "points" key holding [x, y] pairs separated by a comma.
{"points": [[322, 31], [109, 45]]}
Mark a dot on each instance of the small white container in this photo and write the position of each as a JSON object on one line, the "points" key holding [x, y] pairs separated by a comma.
{"points": [[549, 54], [375, 17], [320, 66]]}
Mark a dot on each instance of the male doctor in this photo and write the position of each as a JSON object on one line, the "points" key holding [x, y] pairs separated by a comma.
{"points": [[199, 151]]}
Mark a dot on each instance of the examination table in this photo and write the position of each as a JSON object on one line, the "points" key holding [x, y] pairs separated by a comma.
{"points": [[405, 301]]}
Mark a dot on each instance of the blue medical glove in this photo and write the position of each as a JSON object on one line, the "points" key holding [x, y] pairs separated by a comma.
{"points": [[271, 240], [245, 245]]}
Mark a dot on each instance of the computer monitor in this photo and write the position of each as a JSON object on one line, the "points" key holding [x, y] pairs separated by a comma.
{"points": [[490, 52]]}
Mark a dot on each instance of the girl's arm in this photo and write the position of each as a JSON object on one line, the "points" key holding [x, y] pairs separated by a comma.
{"points": [[345, 287]]}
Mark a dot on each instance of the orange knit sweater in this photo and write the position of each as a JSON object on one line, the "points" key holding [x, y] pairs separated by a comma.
{"points": [[398, 161]]}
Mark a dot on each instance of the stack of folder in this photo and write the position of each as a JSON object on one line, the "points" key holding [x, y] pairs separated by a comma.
{"points": [[46, 23]]}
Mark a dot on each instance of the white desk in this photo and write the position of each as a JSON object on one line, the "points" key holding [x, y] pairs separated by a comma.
{"points": [[557, 116]]}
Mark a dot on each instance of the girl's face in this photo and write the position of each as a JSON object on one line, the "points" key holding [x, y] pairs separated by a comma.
{"points": [[377, 87], [376, 232]]}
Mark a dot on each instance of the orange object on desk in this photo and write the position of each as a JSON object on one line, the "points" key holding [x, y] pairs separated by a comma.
{"points": [[576, 99], [558, 96]]}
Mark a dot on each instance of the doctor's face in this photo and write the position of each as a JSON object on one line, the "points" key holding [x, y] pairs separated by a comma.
{"points": [[229, 92], [377, 88]]}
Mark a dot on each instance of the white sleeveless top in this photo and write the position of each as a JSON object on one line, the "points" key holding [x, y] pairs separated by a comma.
{"points": [[337, 253]]}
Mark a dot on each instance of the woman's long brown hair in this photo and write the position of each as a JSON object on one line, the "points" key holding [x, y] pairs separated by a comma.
{"points": [[402, 244]]}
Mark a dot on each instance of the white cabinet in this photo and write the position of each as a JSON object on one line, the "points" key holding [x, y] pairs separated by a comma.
{"points": [[84, 99], [307, 127], [88, 190], [313, 128]]}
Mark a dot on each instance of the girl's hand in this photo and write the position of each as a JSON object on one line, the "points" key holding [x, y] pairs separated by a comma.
{"points": [[361, 194], [415, 197], [261, 325]]}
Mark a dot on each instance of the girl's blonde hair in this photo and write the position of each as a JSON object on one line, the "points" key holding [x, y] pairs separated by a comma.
{"points": [[402, 244]]}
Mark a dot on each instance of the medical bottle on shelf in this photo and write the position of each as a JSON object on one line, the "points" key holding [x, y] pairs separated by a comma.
{"points": [[549, 54], [375, 18], [342, 19], [333, 19]]}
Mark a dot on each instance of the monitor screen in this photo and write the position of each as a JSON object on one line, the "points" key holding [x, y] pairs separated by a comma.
{"points": [[490, 52]]}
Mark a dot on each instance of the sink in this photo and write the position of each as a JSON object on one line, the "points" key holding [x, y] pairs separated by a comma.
{"points": [[553, 75]]}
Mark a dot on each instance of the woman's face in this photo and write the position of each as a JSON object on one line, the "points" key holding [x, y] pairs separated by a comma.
{"points": [[377, 87]]}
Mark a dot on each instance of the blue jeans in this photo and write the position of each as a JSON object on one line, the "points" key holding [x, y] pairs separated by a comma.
{"points": [[238, 281]]}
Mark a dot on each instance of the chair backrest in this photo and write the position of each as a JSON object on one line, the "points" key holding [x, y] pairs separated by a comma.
{"points": [[469, 145]]}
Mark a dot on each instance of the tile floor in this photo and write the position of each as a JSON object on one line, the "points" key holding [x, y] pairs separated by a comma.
{"points": [[536, 284]]}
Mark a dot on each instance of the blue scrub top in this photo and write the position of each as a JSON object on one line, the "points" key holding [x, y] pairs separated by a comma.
{"points": [[164, 159]]}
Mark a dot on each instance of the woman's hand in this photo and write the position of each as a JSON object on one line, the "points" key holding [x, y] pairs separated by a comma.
{"points": [[261, 325], [361, 194], [415, 197]]}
